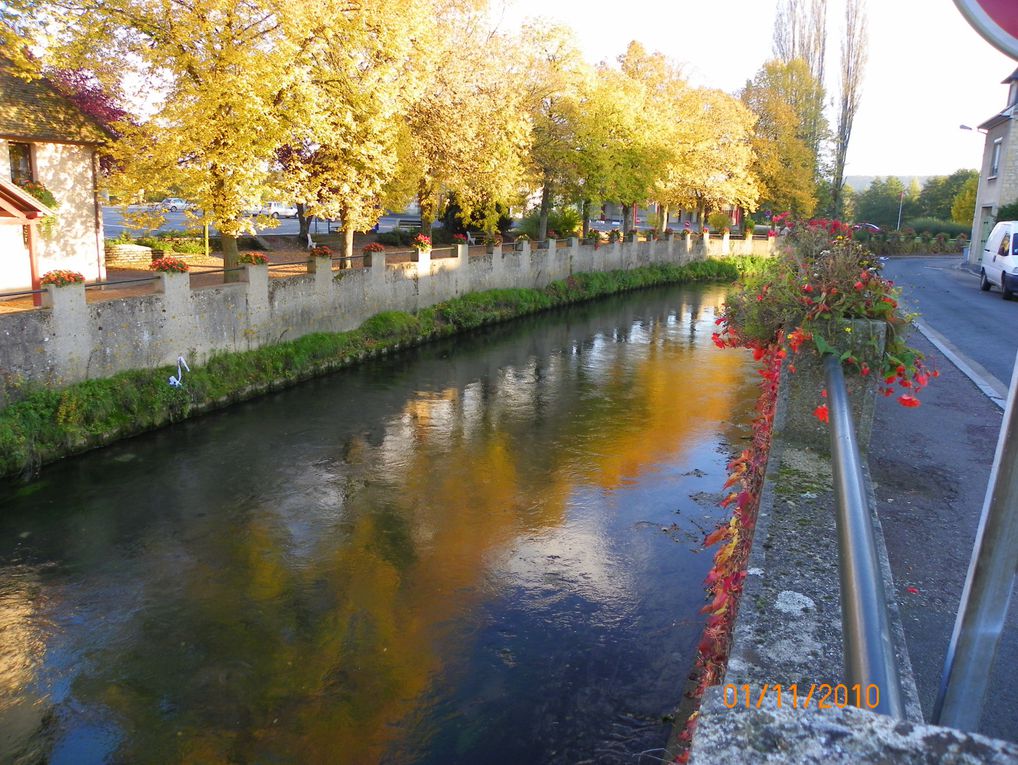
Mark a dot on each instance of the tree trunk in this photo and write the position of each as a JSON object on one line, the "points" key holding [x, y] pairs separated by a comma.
{"points": [[426, 203], [347, 247], [627, 223], [585, 212], [303, 224], [542, 224], [662, 218], [230, 255]]}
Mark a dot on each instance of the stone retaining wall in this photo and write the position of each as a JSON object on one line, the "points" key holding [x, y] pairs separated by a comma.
{"points": [[69, 340], [121, 255]]}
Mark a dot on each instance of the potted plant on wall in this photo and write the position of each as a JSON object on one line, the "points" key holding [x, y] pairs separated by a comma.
{"points": [[61, 278], [491, 241], [169, 265], [253, 259], [421, 242], [369, 250]]}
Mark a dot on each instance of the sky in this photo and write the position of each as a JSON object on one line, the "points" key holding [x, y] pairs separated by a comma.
{"points": [[928, 70]]}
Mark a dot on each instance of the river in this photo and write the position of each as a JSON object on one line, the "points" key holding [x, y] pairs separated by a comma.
{"points": [[484, 550]]}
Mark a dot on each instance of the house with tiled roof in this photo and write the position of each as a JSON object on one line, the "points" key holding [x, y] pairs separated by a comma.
{"points": [[46, 143], [998, 176]]}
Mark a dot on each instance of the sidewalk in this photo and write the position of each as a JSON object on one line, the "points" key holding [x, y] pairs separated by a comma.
{"points": [[930, 467]]}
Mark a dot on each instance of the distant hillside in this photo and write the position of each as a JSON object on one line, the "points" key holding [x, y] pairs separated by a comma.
{"points": [[860, 183]]}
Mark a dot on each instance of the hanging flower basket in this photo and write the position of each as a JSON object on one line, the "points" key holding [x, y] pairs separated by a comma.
{"points": [[421, 242]]}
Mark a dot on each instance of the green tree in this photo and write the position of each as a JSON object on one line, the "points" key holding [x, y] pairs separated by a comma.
{"points": [[938, 193], [880, 202]]}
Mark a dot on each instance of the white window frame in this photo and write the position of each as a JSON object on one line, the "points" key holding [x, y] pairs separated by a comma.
{"points": [[995, 158]]}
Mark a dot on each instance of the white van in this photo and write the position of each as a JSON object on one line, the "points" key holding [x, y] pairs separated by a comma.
{"points": [[1000, 259]]}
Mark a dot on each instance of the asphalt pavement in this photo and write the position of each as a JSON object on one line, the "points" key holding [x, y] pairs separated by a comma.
{"points": [[930, 467]]}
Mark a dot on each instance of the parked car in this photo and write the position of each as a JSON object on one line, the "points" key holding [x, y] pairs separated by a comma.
{"points": [[175, 204], [278, 210], [872, 228], [1000, 259]]}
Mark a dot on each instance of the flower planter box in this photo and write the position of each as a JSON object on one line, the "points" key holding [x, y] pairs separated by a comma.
{"points": [[801, 391]]}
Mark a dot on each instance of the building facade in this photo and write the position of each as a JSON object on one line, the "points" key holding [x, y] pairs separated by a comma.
{"points": [[998, 174], [46, 140]]}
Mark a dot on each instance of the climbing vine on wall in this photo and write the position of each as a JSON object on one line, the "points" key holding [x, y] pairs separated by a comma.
{"points": [[724, 580]]}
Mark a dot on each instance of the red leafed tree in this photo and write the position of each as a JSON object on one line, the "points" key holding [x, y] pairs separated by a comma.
{"points": [[85, 92]]}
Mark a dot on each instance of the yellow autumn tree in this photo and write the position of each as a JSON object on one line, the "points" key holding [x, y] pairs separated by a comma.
{"points": [[361, 83], [711, 165], [468, 133], [554, 78]]}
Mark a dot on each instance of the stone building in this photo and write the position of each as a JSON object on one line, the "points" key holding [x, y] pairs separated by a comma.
{"points": [[45, 139], [998, 175]]}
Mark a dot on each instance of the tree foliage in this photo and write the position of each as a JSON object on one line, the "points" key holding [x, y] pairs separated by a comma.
{"points": [[782, 98], [879, 203], [963, 204], [348, 109]]}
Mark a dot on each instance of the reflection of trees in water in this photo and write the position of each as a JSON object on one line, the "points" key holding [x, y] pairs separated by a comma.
{"points": [[312, 643]]}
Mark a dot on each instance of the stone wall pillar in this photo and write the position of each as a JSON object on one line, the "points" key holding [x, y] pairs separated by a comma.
{"points": [[322, 269], [422, 259], [256, 278], [71, 330], [802, 389]]}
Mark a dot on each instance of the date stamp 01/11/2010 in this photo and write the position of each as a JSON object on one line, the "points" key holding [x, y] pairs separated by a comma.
{"points": [[817, 696]]}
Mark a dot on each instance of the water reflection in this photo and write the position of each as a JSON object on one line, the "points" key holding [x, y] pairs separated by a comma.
{"points": [[465, 554]]}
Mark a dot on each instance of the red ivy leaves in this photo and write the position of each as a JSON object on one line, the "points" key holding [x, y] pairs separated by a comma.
{"points": [[725, 579]]}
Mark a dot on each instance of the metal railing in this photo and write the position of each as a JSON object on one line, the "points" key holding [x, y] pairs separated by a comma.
{"points": [[988, 586], [866, 626]]}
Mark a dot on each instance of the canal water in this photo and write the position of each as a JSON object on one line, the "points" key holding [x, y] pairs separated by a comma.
{"points": [[485, 550]]}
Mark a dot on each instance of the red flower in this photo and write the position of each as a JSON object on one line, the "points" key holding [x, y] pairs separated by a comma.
{"points": [[909, 401], [807, 288], [865, 370], [860, 286], [821, 413]]}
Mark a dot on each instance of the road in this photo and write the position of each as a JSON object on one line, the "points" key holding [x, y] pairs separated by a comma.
{"points": [[979, 326], [931, 466]]}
